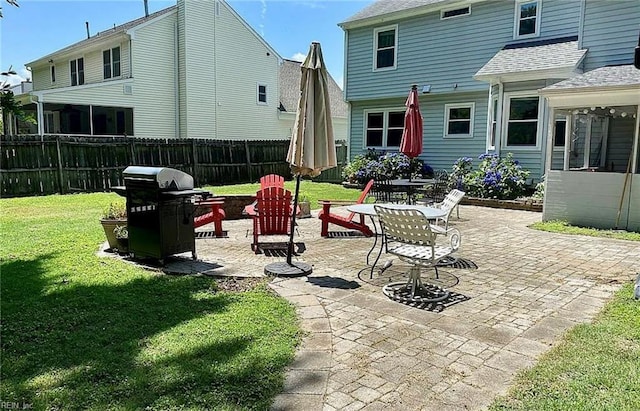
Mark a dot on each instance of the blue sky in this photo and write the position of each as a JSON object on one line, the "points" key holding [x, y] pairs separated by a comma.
{"points": [[39, 27]]}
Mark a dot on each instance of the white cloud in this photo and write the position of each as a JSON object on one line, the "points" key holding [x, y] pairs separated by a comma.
{"points": [[299, 57], [263, 15], [312, 4]]}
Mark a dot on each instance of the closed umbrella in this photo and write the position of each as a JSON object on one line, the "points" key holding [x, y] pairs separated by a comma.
{"points": [[312, 148], [411, 144]]}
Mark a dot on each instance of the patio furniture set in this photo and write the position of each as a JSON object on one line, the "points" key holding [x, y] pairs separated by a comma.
{"points": [[399, 226]]}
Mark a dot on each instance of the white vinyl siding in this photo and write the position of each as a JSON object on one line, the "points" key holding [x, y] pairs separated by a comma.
{"points": [[458, 121], [154, 89], [527, 19], [383, 128], [385, 51]]}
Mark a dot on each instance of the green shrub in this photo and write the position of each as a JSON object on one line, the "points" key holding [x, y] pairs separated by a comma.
{"points": [[500, 178], [382, 165]]}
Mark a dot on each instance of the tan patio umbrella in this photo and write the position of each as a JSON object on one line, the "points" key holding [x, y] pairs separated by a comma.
{"points": [[312, 148]]}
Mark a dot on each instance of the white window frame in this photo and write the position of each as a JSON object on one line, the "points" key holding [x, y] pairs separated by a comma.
{"points": [[77, 72], [375, 47], [442, 17], [506, 110], [567, 136], [492, 133], [266, 94], [447, 112], [112, 63], [385, 126], [516, 19]]}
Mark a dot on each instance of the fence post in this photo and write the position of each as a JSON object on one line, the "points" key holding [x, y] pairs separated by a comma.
{"points": [[194, 162], [60, 175], [248, 153], [132, 149]]}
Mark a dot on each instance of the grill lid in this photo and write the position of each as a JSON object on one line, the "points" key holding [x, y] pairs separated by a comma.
{"points": [[164, 178]]}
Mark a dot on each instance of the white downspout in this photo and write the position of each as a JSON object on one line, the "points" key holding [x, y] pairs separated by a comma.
{"points": [[176, 80], [489, 118], [499, 120]]}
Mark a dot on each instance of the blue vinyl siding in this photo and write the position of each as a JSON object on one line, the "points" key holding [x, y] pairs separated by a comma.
{"points": [[446, 53], [438, 152], [610, 32]]}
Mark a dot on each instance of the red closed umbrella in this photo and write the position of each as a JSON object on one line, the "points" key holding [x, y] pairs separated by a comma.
{"points": [[411, 144]]}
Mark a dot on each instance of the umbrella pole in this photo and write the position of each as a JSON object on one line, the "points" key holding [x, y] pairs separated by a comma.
{"points": [[293, 220]]}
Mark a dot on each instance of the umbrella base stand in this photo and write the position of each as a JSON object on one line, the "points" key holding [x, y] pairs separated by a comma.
{"points": [[284, 269]]}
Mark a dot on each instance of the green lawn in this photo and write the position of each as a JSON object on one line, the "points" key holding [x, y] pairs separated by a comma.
{"points": [[563, 227], [595, 367], [312, 191], [87, 332]]}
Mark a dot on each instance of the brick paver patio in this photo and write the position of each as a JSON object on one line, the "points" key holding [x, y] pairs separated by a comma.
{"points": [[366, 352]]}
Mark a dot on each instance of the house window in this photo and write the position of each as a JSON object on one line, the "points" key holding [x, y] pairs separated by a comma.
{"points": [[493, 122], [385, 41], [383, 128], [461, 11], [522, 122], [527, 19], [458, 121], [111, 63], [53, 74], [77, 72], [262, 94], [560, 132]]}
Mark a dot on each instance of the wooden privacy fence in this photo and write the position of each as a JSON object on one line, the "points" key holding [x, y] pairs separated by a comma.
{"points": [[40, 165]]}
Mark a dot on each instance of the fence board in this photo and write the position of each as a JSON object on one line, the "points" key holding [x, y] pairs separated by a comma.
{"points": [[50, 164]]}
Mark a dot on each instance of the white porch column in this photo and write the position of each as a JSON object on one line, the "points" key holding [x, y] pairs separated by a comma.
{"points": [[568, 136], [40, 116], [636, 142], [550, 137], [499, 120]]}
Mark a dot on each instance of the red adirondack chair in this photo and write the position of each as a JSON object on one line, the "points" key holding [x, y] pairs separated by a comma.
{"points": [[215, 216], [271, 180], [273, 214], [347, 222]]}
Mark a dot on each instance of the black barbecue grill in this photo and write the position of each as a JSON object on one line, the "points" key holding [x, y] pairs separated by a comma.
{"points": [[160, 207]]}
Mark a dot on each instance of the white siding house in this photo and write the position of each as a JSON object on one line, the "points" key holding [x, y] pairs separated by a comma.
{"points": [[194, 70]]}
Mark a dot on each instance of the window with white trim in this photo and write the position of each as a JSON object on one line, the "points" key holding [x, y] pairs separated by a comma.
{"points": [[560, 135], [77, 71], [527, 19], [493, 123], [385, 40], [458, 120], [383, 128], [522, 121], [457, 12], [111, 63], [262, 94]]}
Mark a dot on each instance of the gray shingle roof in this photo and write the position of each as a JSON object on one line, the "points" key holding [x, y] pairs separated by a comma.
{"points": [[615, 76], [382, 7], [290, 76], [511, 60], [96, 38]]}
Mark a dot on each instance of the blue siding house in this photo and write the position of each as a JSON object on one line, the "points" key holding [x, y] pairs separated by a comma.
{"points": [[482, 68]]}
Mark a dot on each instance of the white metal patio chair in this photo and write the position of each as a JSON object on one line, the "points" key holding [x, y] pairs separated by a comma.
{"points": [[408, 235], [450, 201]]}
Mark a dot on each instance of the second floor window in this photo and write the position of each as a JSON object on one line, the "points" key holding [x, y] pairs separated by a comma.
{"points": [[527, 22], [385, 54], [53, 74], [111, 63], [384, 128], [522, 123], [262, 94], [77, 71]]}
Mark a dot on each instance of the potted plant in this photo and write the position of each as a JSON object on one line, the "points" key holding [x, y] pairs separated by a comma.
{"points": [[304, 205], [113, 217]]}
